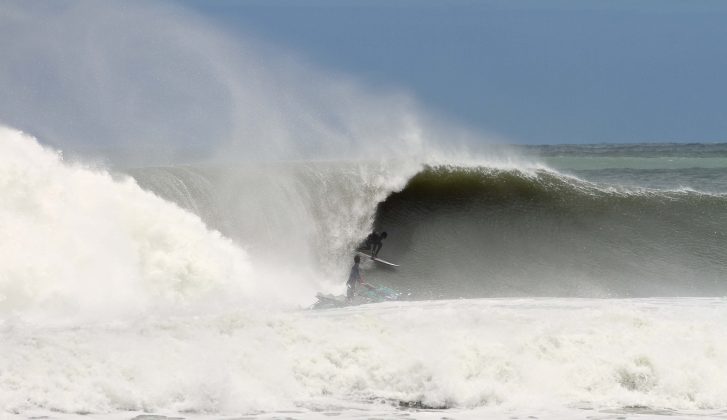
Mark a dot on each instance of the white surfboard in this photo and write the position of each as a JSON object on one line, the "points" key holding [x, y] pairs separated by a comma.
{"points": [[378, 260]]}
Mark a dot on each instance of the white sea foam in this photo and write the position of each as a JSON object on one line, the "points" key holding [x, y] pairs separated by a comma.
{"points": [[503, 356], [78, 244]]}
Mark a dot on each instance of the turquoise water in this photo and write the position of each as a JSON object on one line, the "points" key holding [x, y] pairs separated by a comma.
{"points": [[701, 167]]}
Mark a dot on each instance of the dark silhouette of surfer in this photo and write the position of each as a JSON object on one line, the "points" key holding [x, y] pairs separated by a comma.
{"points": [[354, 277], [373, 243]]}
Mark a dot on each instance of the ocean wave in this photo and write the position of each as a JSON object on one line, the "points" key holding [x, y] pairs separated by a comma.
{"points": [[466, 230], [478, 231]]}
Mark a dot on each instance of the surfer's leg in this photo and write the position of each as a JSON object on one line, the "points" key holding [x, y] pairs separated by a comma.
{"points": [[349, 291], [375, 250]]}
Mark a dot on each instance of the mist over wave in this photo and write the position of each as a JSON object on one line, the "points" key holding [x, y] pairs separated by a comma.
{"points": [[192, 93], [307, 217], [178, 89]]}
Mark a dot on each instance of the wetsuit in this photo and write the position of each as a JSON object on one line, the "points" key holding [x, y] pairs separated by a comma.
{"points": [[354, 277], [373, 242]]}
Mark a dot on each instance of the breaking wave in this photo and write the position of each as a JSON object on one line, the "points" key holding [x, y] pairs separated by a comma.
{"points": [[467, 231], [464, 232], [114, 299]]}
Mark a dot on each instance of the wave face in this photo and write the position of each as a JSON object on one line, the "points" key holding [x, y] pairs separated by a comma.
{"points": [[467, 231], [472, 232]]}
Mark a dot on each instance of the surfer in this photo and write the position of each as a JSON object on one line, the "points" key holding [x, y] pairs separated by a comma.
{"points": [[373, 242], [354, 277]]}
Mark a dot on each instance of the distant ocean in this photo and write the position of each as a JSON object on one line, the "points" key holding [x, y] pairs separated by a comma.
{"points": [[574, 281]]}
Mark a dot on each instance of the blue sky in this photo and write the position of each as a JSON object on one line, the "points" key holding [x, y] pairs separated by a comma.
{"points": [[193, 79], [532, 71]]}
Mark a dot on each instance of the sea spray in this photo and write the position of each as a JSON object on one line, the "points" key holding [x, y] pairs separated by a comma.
{"points": [[310, 215], [77, 243], [193, 92]]}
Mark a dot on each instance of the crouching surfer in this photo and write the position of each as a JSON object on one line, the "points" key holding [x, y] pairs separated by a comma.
{"points": [[354, 277], [373, 242]]}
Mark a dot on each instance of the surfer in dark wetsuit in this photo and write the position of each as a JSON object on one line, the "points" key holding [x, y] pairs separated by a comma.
{"points": [[373, 242], [354, 277]]}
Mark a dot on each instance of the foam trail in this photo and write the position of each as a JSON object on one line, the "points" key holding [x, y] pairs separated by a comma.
{"points": [[78, 243]]}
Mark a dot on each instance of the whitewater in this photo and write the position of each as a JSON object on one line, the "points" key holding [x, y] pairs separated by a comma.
{"points": [[116, 302], [502, 357]]}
